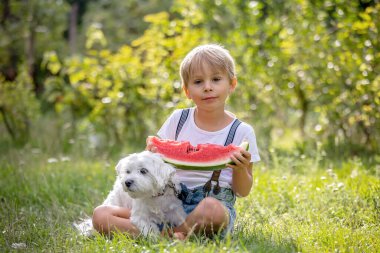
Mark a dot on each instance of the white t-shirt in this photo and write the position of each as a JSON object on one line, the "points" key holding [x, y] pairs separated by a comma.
{"points": [[192, 133]]}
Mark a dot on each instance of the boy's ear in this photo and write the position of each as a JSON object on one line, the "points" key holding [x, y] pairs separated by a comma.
{"points": [[186, 92], [233, 84]]}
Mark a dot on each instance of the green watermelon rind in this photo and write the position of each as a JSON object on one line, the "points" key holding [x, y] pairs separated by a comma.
{"points": [[203, 166], [208, 168]]}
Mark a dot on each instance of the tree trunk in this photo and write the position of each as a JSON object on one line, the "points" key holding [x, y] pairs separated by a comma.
{"points": [[6, 12], [304, 104], [30, 48], [7, 123], [9, 70], [73, 27]]}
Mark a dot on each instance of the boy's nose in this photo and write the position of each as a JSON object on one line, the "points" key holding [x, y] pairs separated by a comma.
{"points": [[207, 86]]}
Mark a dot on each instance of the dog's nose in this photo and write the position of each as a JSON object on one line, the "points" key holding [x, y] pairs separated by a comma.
{"points": [[128, 183]]}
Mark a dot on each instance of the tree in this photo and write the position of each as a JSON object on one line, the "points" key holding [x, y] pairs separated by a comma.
{"points": [[29, 28]]}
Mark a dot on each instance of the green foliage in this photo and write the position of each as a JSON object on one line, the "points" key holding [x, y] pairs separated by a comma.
{"points": [[18, 107], [101, 86], [121, 21], [44, 21], [310, 63], [311, 67], [123, 93]]}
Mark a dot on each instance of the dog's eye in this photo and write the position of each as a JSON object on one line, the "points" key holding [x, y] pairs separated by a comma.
{"points": [[128, 172], [143, 171]]}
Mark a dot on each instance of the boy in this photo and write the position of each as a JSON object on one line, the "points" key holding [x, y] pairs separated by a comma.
{"points": [[208, 78]]}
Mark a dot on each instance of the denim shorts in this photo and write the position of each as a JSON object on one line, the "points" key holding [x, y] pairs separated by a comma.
{"points": [[191, 198]]}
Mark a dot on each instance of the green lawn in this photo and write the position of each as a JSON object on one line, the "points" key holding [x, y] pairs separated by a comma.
{"points": [[298, 204]]}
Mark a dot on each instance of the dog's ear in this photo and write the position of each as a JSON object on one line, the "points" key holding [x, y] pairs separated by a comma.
{"points": [[169, 169], [118, 167], [163, 171], [124, 162], [167, 172]]}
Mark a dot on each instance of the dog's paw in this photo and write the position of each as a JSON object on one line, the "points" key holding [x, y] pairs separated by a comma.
{"points": [[84, 227], [148, 229]]}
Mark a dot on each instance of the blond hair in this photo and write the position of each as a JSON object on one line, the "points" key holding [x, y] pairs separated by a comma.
{"points": [[216, 56]]}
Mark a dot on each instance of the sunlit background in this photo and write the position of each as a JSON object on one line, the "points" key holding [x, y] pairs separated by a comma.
{"points": [[100, 76]]}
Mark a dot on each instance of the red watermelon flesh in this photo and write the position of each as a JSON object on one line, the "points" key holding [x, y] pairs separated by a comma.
{"points": [[202, 157]]}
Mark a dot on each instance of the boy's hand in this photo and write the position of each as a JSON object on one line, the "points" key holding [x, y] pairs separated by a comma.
{"points": [[149, 145], [242, 173], [241, 159]]}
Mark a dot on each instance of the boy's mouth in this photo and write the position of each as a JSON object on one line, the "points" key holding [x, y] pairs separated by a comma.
{"points": [[209, 98]]}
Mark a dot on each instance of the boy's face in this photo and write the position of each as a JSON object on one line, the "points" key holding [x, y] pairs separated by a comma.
{"points": [[209, 87]]}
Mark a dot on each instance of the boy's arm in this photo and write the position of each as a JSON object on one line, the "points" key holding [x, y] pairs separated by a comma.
{"points": [[242, 173]]}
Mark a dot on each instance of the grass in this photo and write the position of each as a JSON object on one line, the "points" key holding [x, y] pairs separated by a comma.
{"points": [[297, 204]]}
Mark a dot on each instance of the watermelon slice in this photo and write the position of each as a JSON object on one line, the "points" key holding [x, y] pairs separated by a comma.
{"points": [[202, 157]]}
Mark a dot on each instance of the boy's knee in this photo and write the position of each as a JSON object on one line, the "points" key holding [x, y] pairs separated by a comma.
{"points": [[215, 213], [99, 217]]}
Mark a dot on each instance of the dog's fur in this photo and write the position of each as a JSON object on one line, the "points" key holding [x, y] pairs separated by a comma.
{"points": [[147, 185]]}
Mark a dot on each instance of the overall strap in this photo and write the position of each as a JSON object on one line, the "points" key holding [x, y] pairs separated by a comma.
{"points": [[231, 133], [181, 122], [216, 173]]}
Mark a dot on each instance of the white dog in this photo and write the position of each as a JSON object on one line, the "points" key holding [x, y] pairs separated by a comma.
{"points": [[147, 185]]}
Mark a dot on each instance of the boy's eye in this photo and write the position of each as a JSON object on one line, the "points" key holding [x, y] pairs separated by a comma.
{"points": [[216, 79], [197, 81]]}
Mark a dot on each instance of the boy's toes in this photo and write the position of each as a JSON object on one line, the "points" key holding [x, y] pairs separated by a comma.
{"points": [[179, 236]]}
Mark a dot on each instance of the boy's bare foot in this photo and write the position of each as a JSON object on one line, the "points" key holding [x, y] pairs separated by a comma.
{"points": [[179, 236], [174, 235]]}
